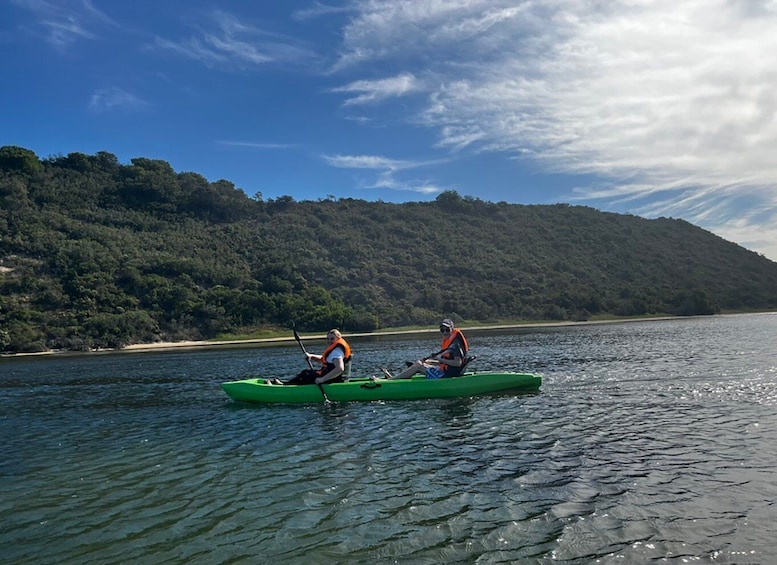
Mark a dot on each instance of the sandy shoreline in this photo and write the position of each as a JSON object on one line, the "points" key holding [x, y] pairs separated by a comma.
{"points": [[270, 341]]}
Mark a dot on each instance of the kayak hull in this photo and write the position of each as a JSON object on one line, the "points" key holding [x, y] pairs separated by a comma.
{"points": [[419, 387]]}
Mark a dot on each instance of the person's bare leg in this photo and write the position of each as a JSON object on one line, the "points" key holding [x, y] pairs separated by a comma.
{"points": [[414, 369]]}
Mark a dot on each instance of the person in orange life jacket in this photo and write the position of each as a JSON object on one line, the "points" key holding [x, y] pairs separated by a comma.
{"points": [[448, 363], [335, 361]]}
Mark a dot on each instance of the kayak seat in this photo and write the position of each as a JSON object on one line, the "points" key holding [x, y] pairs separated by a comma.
{"points": [[467, 360]]}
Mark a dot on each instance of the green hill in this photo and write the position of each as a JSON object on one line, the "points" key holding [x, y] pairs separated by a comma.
{"points": [[94, 253]]}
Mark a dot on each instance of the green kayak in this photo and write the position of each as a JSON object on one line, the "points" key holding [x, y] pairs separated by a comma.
{"points": [[255, 390]]}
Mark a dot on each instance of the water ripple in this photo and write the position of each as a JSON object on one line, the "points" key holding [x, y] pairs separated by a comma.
{"points": [[649, 442]]}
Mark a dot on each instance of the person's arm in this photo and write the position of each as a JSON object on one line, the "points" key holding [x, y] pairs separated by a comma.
{"points": [[456, 359], [315, 357], [334, 373]]}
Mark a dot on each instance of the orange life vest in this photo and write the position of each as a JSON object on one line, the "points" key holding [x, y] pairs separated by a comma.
{"points": [[339, 342], [449, 341]]}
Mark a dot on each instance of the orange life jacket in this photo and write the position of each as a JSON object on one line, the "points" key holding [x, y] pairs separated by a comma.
{"points": [[449, 341], [339, 342]]}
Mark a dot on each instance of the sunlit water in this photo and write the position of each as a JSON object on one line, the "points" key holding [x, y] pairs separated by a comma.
{"points": [[649, 442]]}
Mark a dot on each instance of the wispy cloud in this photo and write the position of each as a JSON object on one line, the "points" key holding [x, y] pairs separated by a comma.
{"points": [[67, 21], [432, 32], [675, 104], [369, 91], [257, 145], [388, 181], [318, 10], [366, 162], [230, 43], [378, 162], [385, 172], [114, 98]]}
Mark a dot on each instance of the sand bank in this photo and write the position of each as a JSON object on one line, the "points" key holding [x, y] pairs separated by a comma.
{"points": [[270, 341]]}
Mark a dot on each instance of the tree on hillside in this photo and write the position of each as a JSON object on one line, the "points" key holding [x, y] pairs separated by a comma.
{"points": [[101, 254], [19, 160]]}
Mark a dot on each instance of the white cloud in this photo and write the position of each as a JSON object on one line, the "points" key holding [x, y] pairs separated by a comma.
{"points": [[365, 162], [379, 90], [672, 104], [234, 44], [387, 181], [65, 22], [385, 172], [432, 30], [114, 98], [318, 10], [257, 145], [376, 162]]}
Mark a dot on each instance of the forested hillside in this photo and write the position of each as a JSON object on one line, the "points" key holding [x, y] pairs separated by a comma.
{"points": [[95, 253]]}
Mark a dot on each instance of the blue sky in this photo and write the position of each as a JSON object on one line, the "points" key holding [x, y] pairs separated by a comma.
{"points": [[653, 108]]}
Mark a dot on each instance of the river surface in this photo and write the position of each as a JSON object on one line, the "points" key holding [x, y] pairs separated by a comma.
{"points": [[649, 442]]}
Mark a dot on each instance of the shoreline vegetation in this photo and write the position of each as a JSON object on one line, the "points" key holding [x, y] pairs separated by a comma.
{"points": [[472, 329], [97, 255]]}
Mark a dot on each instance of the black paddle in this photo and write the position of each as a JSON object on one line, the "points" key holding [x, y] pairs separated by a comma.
{"points": [[299, 341], [433, 355]]}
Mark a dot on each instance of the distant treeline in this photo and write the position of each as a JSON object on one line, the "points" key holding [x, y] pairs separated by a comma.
{"points": [[99, 254]]}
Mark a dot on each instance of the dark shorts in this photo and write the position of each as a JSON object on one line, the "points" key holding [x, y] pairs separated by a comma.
{"points": [[308, 377]]}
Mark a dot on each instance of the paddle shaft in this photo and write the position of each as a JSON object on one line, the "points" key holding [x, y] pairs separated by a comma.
{"points": [[430, 356], [299, 341], [433, 355]]}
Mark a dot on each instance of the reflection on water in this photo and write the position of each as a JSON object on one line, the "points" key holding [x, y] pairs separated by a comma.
{"points": [[649, 441]]}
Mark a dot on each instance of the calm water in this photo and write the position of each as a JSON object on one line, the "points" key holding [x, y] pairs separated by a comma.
{"points": [[649, 442]]}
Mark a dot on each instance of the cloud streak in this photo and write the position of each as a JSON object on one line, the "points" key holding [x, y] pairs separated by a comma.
{"points": [[66, 22], [673, 104], [319, 10], [256, 145], [371, 91], [114, 98], [232, 44], [386, 172]]}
